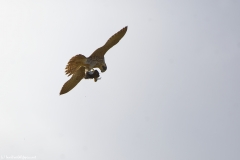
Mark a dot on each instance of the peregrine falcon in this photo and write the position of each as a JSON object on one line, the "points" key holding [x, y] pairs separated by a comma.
{"points": [[81, 67]]}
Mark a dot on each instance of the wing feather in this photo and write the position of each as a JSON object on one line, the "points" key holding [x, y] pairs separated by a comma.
{"points": [[100, 52], [74, 64], [73, 81]]}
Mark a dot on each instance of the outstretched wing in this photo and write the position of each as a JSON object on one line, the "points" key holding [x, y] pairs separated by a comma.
{"points": [[100, 52], [74, 64], [73, 81]]}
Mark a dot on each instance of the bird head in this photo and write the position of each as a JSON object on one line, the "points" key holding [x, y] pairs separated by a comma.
{"points": [[103, 68]]}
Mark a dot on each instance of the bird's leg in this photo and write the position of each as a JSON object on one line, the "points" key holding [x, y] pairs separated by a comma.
{"points": [[92, 74]]}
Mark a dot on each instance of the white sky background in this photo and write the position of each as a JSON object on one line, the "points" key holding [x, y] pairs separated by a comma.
{"points": [[171, 91]]}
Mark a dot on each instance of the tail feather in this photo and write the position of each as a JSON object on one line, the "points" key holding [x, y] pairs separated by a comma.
{"points": [[74, 64]]}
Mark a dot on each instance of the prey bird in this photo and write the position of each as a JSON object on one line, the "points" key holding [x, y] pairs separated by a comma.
{"points": [[81, 67]]}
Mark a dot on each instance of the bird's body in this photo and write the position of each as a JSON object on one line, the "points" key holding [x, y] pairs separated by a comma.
{"points": [[79, 65]]}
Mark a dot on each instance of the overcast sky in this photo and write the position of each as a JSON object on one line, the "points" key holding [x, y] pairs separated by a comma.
{"points": [[171, 91]]}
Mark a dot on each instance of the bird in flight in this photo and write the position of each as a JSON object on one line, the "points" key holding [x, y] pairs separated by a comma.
{"points": [[81, 67]]}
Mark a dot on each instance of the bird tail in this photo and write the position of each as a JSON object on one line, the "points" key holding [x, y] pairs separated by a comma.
{"points": [[75, 63]]}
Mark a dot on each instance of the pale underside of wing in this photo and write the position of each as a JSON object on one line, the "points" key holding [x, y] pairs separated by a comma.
{"points": [[100, 52], [73, 81], [74, 64]]}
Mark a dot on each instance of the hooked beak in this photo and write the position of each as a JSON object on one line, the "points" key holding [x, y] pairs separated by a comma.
{"points": [[104, 68]]}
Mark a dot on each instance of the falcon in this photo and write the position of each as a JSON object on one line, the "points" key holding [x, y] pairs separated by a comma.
{"points": [[81, 67]]}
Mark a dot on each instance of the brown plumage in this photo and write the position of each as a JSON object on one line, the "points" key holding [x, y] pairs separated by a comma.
{"points": [[74, 64], [79, 64], [73, 81]]}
